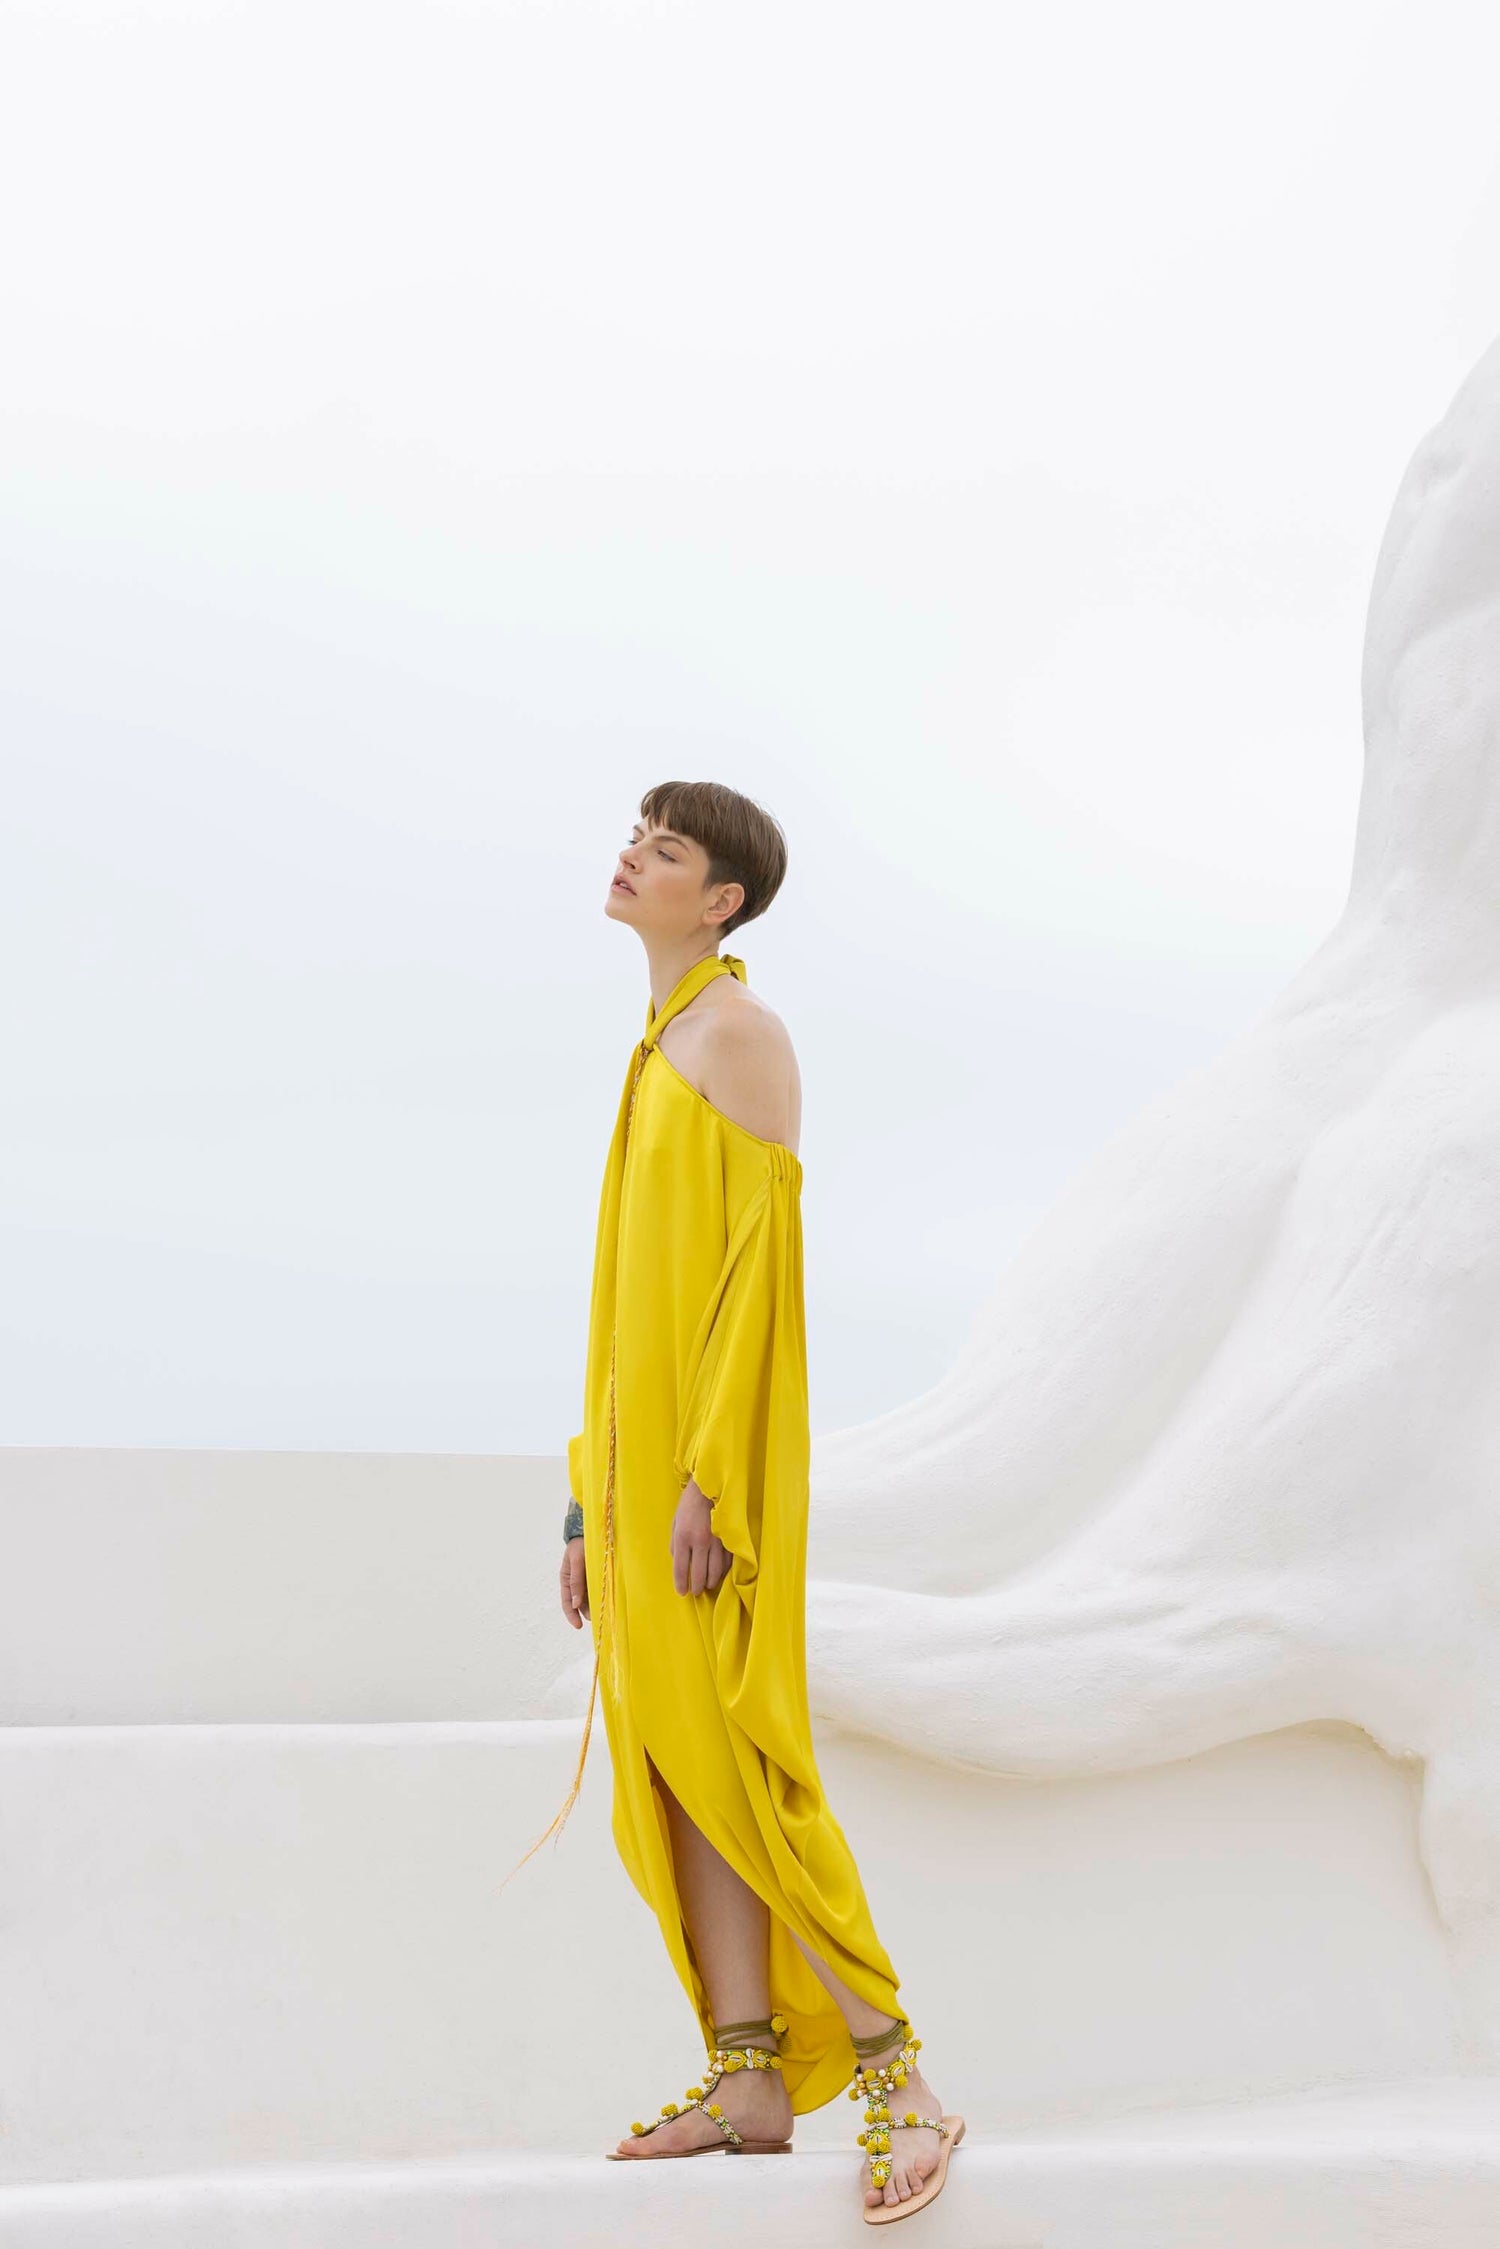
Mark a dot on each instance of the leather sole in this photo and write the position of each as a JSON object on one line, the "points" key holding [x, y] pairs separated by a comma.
{"points": [[724, 2147]]}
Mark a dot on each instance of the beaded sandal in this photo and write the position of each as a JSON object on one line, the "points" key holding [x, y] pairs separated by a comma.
{"points": [[723, 2061], [876, 2086]]}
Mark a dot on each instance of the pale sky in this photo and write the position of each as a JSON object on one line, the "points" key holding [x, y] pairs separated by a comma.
{"points": [[966, 429]]}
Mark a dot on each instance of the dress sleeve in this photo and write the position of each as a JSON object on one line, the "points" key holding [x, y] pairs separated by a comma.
{"points": [[575, 1467], [742, 1431]]}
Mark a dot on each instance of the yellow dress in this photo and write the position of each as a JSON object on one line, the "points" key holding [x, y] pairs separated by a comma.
{"points": [[699, 1249]]}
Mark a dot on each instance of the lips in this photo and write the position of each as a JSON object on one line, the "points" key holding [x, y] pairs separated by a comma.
{"points": [[620, 883]]}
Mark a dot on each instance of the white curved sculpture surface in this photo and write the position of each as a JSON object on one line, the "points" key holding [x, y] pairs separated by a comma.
{"points": [[1223, 1452]]}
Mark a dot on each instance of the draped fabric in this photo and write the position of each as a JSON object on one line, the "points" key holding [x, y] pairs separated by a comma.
{"points": [[696, 1311]]}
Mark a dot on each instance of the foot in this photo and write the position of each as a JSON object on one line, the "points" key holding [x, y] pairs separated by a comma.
{"points": [[755, 2101], [914, 2150]]}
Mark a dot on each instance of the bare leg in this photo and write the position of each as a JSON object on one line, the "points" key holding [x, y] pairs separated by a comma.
{"points": [[729, 1924], [730, 1927]]}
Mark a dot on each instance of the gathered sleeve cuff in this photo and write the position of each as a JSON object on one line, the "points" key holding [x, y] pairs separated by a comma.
{"points": [[742, 1432]]}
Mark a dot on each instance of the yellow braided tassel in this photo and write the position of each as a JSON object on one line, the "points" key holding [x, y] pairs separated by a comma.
{"points": [[607, 1582]]}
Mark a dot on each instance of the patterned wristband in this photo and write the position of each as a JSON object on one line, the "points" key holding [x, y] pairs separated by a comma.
{"points": [[573, 1522]]}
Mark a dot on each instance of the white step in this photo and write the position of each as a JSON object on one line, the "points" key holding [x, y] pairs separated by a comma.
{"points": [[279, 1725], [1403, 2166], [253, 1943]]}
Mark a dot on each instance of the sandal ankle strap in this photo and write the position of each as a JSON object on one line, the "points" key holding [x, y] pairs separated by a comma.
{"points": [[770, 2026], [878, 2040]]}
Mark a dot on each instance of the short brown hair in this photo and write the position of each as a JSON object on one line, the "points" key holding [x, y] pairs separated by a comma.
{"points": [[744, 844]]}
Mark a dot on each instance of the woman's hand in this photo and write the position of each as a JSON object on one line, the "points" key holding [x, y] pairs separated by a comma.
{"points": [[573, 1584], [699, 1556]]}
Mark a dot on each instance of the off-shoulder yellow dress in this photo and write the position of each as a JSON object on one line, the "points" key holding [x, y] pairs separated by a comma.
{"points": [[697, 1366]]}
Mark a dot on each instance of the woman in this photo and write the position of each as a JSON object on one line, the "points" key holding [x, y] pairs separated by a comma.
{"points": [[685, 1541]]}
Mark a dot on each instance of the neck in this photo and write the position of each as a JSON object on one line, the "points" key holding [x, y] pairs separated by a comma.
{"points": [[669, 960]]}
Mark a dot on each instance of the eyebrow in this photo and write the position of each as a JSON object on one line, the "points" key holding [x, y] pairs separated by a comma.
{"points": [[659, 835]]}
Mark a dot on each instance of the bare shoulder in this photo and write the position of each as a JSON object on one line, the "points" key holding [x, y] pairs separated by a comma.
{"points": [[749, 1067]]}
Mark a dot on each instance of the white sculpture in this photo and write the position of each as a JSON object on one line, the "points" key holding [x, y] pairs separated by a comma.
{"points": [[1223, 1452]]}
